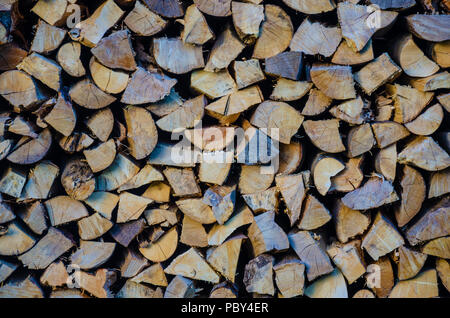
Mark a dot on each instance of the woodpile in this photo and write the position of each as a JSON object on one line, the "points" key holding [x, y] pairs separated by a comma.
{"points": [[218, 148]]}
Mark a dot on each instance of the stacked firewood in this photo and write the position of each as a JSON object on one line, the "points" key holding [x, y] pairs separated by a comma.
{"points": [[218, 148]]}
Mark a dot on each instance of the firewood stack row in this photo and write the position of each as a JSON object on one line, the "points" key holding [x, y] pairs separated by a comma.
{"points": [[336, 114]]}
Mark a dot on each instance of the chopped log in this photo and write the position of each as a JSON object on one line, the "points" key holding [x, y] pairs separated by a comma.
{"points": [[102, 156], [92, 254], [223, 290], [97, 284], [228, 108], [443, 269], [289, 276], [12, 182], [439, 184], [411, 59], [184, 57], [93, 227], [394, 4], [410, 262], [381, 277], [287, 65], [68, 293], [78, 179], [49, 248], [40, 180], [181, 287], [408, 102], [117, 174], [315, 214], [101, 124], [226, 48], [21, 90], [64, 209], [224, 258], [266, 235], [309, 7], [196, 29], [161, 249], [247, 18], [432, 83], [62, 117], [363, 293], [34, 217], [182, 181], [381, 227], [69, 59], [131, 207], [6, 213], [324, 134], [144, 22], [377, 73], [192, 265], [350, 111], [126, 232], [432, 28], [219, 233], [55, 275], [163, 155], [293, 192], [211, 139], [162, 216], [22, 127], [222, 200], [15, 240], [287, 90], [146, 87], [357, 23], [88, 95], [258, 275], [315, 38], [166, 8], [10, 56], [251, 180], [275, 33], [90, 31], [146, 175], [52, 11], [184, 117], [29, 151], [388, 132], [440, 52], [423, 285], [439, 247], [214, 7], [335, 81], [262, 201], [347, 259], [317, 103], [311, 254], [330, 286], [290, 157], [75, 142], [108, 80], [213, 85], [103, 202], [193, 233], [169, 104], [350, 178], [445, 101], [47, 38], [413, 195], [323, 169], [158, 192], [115, 51], [386, 162], [247, 72], [360, 140], [373, 194], [197, 210], [425, 153], [428, 122], [135, 290], [345, 55], [280, 119], [433, 224], [21, 288], [153, 275]]}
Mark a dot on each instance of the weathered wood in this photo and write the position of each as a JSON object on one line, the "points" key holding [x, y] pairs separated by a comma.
{"points": [[439, 184], [350, 178], [226, 48], [168, 8], [423, 285], [34, 216], [349, 223], [266, 235], [262, 201], [388, 132], [78, 179], [247, 72], [247, 18], [315, 214], [40, 180], [15, 240], [287, 90], [443, 269], [258, 275], [153, 275], [345, 55], [219, 233], [92, 254], [88, 95], [101, 157], [93, 227], [425, 153], [429, 27], [47, 38], [315, 38], [410, 262], [347, 259], [64, 209], [224, 258], [55, 275], [310, 7], [439, 247], [69, 59], [162, 249], [213, 85], [335, 81], [324, 134], [330, 286], [144, 22], [127, 232]]}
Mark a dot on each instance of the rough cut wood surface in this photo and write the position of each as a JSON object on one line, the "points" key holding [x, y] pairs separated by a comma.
{"points": [[224, 148]]}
